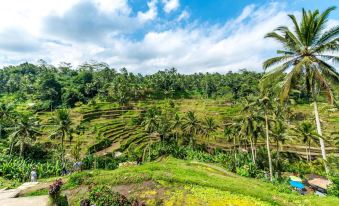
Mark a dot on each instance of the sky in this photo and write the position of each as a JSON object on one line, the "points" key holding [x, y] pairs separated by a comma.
{"points": [[145, 36]]}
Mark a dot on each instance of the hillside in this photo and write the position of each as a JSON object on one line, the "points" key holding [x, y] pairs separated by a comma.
{"points": [[177, 182], [105, 127]]}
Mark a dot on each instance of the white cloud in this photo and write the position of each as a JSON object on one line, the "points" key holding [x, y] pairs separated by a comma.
{"points": [[151, 13], [194, 47], [170, 5], [183, 16]]}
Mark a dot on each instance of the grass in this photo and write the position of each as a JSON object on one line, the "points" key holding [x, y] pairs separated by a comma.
{"points": [[193, 183], [4, 183]]}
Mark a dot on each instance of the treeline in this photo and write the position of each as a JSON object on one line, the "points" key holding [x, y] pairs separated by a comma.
{"points": [[51, 86]]}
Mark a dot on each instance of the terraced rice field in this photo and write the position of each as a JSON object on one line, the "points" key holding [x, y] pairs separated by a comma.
{"points": [[115, 130]]}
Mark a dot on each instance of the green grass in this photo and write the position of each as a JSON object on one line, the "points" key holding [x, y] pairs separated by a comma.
{"points": [[202, 178], [4, 183]]}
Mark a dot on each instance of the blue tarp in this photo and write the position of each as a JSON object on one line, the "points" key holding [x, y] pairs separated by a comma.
{"points": [[297, 184]]}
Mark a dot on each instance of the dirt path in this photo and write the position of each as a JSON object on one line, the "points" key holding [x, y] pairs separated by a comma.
{"points": [[9, 197], [25, 201]]}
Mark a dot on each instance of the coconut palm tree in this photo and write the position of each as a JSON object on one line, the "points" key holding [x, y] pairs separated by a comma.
{"points": [[191, 126], [251, 128], [305, 54], [176, 126], [265, 105], [62, 121], [306, 131], [209, 126], [24, 132], [231, 132]]}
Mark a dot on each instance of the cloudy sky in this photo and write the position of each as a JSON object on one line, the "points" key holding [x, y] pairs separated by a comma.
{"points": [[147, 35]]}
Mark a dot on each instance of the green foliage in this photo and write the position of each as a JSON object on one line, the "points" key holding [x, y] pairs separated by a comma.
{"points": [[19, 169], [104, 196], [334, 187]]}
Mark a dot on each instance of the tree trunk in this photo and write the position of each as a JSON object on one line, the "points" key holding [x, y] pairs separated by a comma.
{"points": [[309, 151], [62, 148], [322, 144], [252, 149], [307, 154], [21, 148], [234, 148], [268, 149]]}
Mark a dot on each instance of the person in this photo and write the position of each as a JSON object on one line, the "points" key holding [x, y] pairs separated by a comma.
{"points": [[34, 175], [64, 171], [77, 166]]}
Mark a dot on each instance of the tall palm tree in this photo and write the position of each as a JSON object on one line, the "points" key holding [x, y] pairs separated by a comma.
{"points": [[209, 126], [191, 126], [231, 132], [151, 120], [306, 132], [306, 54], [63, 122], [265, 105], [24, 132], [251, 128], [176, 126]]}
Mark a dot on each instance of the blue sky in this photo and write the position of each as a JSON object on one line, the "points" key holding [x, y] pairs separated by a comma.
{"points": [[147, 35]]}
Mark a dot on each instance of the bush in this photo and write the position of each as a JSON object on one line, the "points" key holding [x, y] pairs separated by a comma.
{"points": [[16, 168], [334, 187], [76, 179], [54, 192], [104, 196]]}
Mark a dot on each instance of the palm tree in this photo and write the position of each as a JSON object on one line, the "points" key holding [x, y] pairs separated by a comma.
{"points": [[306, 132], [176, 126], [151, 120], [251, 128], [209, 126], [231, 132], [265, 105], [24, 132], [305, 54], [62, 121], [191, 126]]}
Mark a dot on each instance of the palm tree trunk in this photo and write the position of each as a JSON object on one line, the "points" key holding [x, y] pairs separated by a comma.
{"points": [[309, 151], [62, 147], [252, 149], [21, 148], [234, 148], [307, 154], [268, 149], [321, 140]]}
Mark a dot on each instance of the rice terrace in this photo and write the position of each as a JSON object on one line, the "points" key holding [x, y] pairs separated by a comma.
{"points": [[169, 102]]}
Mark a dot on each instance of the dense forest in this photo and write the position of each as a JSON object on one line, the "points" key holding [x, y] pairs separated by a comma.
{"points": [[58, 86]]}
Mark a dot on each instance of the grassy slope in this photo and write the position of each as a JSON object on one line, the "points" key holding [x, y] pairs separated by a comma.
{"points": [[189, 183]]}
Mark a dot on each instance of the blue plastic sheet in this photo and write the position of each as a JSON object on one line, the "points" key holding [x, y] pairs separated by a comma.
{"points": [[297, 184]]}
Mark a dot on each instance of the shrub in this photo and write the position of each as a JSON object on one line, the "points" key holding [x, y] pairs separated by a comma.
{"points": [[334, 187], [104, 196], [54, 192]]}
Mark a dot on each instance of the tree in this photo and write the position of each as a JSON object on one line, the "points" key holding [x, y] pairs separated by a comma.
{"points": [[24, 132], [251, 128], [305, 54], [191, 126], [231, 132], [266, 106], [62, 122], [209, 126], [6, 116], [176, 126], [306, 132]]}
